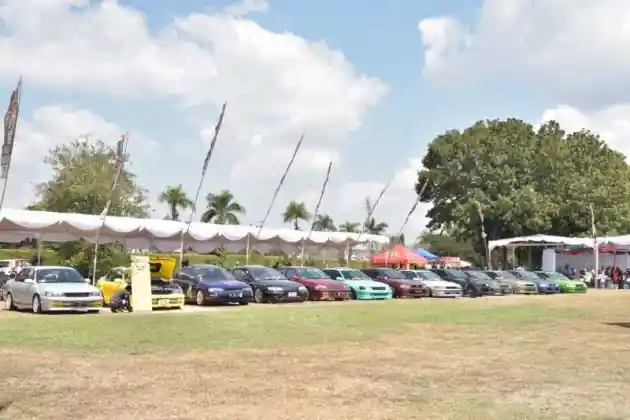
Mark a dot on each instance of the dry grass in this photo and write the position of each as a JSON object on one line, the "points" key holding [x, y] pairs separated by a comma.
{"points": [[569, 365]]}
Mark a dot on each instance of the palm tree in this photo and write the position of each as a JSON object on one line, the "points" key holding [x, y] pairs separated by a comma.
{"points": [[222, 209], [370, 224], [294, 213], [348, 226], [324, 223], [176, 199]]}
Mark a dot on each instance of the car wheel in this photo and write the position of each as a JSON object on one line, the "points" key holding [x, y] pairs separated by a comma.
{"points": [[8, 303], [258, 296], [353, 294], [394, 294], [199, 298], [36, 305], [307, 295], [114, 310]]}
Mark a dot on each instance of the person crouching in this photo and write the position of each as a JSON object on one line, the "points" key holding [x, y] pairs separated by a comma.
{"points": [[121, 300]]}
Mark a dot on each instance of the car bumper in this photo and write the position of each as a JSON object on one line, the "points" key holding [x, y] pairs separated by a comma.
{"points": [[284, 296], [227, 297], [446, 293], [63, 304], [373, 294], [412, 293], [173, 300], [526, 290], [573, 290], [549, 290], [331, 295]]}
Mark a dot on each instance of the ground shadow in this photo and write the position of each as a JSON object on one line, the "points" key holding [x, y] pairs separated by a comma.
{"points": [[618, 324]]}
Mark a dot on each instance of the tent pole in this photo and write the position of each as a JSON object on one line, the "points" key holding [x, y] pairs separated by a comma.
{"points": [[39, 249], [247, 246]]}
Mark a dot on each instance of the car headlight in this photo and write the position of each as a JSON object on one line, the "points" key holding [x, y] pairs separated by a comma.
{"points": [[53, 294], [215, 290], [274, 289], [405, 286], [302, 289], [321, 287]]}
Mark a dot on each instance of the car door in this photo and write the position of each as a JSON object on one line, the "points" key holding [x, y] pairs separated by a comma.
{"points": [[244, 275], [17, 288], [186, 279], [25, 288]]}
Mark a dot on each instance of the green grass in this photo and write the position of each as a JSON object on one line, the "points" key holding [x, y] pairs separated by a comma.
{"points": [[258, 326]]}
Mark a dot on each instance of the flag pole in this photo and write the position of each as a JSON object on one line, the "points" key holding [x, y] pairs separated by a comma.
{"points": [[121, 151], [373, 207], [319, 202], [282, 179], [10, 127], [413, 208], [204, 168]]}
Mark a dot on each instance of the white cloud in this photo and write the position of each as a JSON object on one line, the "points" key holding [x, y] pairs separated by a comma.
{"points": [[276, 84], [572, 47], [245, 7], [611, 123]]}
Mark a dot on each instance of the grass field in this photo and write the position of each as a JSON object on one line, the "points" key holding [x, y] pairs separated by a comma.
{"points": [[538, 357]]}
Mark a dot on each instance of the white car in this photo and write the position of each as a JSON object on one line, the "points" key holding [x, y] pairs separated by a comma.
{"points": [[51, 289], [437, 286]]}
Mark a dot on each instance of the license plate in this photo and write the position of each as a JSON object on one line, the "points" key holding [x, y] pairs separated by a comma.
{"points": [[292, 294], [163, 302], [341, 294], [236, 294]]}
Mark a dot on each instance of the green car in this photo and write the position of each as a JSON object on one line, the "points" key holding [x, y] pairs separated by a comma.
{"points": [[361, 286], [565, 284]]}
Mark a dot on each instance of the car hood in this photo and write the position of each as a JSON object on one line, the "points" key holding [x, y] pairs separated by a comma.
{"points": [[332, 284], [227, 284], [364, 283], [67, 287], [440, 283], [285, 284], [408, 282], [165, 286]]}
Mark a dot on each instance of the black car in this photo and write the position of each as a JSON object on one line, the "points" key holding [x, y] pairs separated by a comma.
{"points": [[270, 285], [489, 286], [469, 287], [206, 283]]}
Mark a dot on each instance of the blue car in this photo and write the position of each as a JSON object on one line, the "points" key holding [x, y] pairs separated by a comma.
{"points": [[543, 286], [206, 283]]}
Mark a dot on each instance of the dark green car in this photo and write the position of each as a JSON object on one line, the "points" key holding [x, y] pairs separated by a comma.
{"points": [[565, 284]]}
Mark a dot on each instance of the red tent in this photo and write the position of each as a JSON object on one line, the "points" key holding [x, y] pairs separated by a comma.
{"points": [[398, 255]]}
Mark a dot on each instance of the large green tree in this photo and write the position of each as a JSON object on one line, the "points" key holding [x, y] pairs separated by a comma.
{"points": [[82, 174], [523, 180], [295, 212], [222, 209], [176, 199]]}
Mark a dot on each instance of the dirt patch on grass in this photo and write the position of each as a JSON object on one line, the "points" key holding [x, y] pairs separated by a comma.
{"points": [[562, 369]]}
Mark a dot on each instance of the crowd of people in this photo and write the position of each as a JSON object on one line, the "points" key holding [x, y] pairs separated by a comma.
{"points": [[611, 277]]}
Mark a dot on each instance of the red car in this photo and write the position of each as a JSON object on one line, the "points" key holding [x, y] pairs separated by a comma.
{"points": [[318, 284], [401, 285]]}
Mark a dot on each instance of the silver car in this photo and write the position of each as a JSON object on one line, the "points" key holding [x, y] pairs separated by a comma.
{"points": [[50, 289]]}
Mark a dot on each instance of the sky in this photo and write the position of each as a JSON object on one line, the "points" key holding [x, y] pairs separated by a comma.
{"points": [[370, 85]]}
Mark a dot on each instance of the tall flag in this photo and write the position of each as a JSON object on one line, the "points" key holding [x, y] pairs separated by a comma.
{"points": [[10, 125], [415, 204], [321, 197], [284, 176], [204, 168]]}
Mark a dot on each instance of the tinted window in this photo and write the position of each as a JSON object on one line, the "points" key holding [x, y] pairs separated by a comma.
{"points": [[311, 273], [409, 274], [266, 273], [354, 274], [507, 275], [428, 275], [456, 274], [212, 273], [479, 275]]}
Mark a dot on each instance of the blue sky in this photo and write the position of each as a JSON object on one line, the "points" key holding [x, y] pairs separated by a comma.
{"points": [[407, 72]]}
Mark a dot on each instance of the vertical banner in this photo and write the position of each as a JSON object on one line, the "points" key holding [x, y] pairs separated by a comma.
{"points": [[204, 168], [10, 125]]}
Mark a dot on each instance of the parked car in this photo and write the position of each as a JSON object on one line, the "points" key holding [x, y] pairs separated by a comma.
{"points": [[206, 283], [13, 265], [565, 284], [401, 286], [52, 288], [489, 286], [437, 287], [319, 285], [522, 287], [361, 286], [270, 285], [459, 277], [4, 278], [543, 286]]}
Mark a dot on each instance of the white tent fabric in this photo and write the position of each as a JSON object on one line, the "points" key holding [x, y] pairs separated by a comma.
{"points": [[164, 235], [540, 240]]}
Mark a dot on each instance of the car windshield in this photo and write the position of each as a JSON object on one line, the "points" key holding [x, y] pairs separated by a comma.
{"points": [[478, 275], [266, 273], [59, 275], [409, 274], [392, 274], [354, 275], [507, 275], [428, 275], [528, 275], [311, 273], [556, 276], [457, 274], [211, 273]]}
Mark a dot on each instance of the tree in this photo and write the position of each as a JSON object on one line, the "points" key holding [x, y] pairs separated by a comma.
{"points": [[445, 246], [82, 174], [294, 213], [370, 225], [348, 226], [521, 180], [324, 223], [222, 209], [176, 198]]}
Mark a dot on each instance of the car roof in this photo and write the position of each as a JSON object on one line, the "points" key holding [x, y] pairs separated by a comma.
{"points": [[51, 267], [204, 266], [340, 268]]}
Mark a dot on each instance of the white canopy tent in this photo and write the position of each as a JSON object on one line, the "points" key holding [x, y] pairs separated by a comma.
{"points": [[539, 240], [165, 235]]}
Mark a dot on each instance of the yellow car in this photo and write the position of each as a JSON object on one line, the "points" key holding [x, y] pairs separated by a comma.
{"points": [[164, 293]]}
